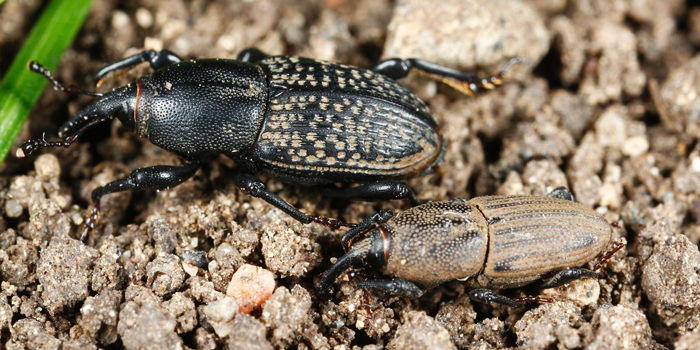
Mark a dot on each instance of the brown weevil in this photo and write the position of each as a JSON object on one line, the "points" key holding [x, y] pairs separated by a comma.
{"points": [[299, 120], [491, 242]]}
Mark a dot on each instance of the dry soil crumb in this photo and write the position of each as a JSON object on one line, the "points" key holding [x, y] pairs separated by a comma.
{"points": [[100, 316], [64, 273], [618, 327], [498, 31], [671, 280], [289, 316], [249, 334], [146, 325], [420, 332]]}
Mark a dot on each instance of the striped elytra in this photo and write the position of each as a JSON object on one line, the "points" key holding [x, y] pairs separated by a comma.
{"points": [[530, 236], [332, 122]]}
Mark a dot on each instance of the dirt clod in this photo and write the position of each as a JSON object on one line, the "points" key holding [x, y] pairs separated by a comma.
{"points": [[100, 316], [671, 280], [147, 326], [420, 332], [498, 31], [64, 272], [220, 315], [165, 274]]}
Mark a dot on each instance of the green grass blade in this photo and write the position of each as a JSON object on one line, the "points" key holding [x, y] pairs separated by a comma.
{"points": [[20, 89]]}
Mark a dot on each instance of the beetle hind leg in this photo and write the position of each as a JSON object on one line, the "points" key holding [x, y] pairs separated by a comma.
{"points": [[566, 276], [157, 60], [467, 83], [487, 296]]}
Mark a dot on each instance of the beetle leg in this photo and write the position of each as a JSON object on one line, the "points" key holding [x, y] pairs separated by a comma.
{"points": [[608, 255], [158, 177], [467, 83], [562, 193], [377, 218], [252, 55], [374, 192], [157, 59], [567, 275], [487, 296], [394, 286], [252, 186]]}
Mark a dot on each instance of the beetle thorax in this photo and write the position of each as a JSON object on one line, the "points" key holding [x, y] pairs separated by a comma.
{"points": [[202, 107], [437, 242]]}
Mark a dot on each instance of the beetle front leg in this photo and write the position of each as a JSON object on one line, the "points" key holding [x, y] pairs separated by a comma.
{"points": [[159, 177], [252, 55], [377, 218], [464, 82], [487, 296], [375, 192], [157, 59], [394, 286], [252, 186]]}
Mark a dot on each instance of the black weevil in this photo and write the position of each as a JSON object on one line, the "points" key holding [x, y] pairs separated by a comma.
{"points": [[300, 120]]}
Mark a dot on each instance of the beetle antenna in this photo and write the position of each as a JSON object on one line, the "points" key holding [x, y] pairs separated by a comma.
{"points": [[36, 67], [32, 145]]}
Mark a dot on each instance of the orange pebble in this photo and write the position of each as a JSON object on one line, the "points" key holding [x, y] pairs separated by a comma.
{"points": [[251, 286]]}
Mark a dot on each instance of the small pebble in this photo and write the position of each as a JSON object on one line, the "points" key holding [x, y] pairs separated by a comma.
{"points": [[251, 286], [220, 314], [144, 18], [635, 146], [47, 166], [13, 209]]}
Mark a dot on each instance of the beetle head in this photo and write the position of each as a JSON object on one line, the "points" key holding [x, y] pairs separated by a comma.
{"points": [[119, 103]]}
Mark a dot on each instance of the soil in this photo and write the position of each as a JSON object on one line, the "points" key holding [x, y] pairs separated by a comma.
{"points": [[606, 105]]}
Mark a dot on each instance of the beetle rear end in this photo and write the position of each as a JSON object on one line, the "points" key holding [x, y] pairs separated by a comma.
{"points": [[329, 122], [531, 236]]}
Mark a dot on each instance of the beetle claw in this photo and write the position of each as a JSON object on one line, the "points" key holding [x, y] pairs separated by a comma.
{"points": [[91, 223]]}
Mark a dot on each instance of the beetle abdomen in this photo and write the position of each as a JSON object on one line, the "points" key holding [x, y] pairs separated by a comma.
{"points": [[530, 236], [342, 123]]}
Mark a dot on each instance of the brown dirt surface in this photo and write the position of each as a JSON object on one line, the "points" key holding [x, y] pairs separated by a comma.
{"points": [[606, 105]]}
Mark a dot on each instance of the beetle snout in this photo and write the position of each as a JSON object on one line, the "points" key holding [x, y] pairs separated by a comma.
{"points": [[120, 103]]}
